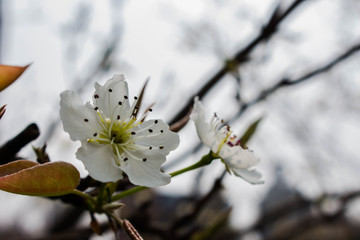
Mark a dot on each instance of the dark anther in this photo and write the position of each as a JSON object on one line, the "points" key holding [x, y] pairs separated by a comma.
{"points": [[150, 130], [96, 96], [135, 98], [96, 108], [95, 134], [150, 148], [118, 117], [86, 120], [161, 131], [144, 159], [110, 90], [150, 110], [133, 133], [161, 147], [126, 97], [125, 159], [156, 121]]}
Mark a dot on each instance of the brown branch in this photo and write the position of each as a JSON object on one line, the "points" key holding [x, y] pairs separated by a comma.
{"points": [[288, 82], [241, 56], [9, 150], [268, 30], [281, 210], [2, 111], [198, 206], [309, 215]]}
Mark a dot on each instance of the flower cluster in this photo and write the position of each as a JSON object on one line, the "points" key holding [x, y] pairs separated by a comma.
{"points": [[218, 137], [113, 139]]}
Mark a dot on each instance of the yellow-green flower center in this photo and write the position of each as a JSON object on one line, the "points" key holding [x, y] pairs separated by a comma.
{"points": [[120, 133], [116, 133]]}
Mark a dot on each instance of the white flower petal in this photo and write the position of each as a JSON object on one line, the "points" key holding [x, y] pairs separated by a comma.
{"points": [[156, 134], [98, 160], [198, 116], [144, 170], [237, 157], [204, 129], [112, 99], [251, 176], [79, 120]]}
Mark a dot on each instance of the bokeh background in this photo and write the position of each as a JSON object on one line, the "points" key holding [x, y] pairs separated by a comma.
{"points": [[294, 63]]}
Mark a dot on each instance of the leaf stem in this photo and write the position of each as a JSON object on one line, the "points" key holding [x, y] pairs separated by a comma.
{"points": [[84, 195], [128, 192]]}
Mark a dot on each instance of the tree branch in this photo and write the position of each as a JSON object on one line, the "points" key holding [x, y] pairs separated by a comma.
{"points": [[309, 214], [9, 150], [241, 56], [199, 205], [285, 82]]}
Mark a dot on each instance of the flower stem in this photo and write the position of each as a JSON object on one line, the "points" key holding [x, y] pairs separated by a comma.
{"points": [[100, 197], [89, 199], [205, 160], [127, 193]]}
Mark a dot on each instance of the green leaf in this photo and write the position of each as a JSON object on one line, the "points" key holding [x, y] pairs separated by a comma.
{"points": [[8, 74], [249, 132], [33, 179]]}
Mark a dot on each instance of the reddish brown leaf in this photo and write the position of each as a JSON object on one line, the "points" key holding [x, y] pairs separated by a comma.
{"points": [[8, 74], [16, 166], [30, 178]]}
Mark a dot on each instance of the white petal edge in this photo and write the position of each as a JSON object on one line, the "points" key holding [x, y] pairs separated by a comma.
{"points": [[251, 176], [98, 160], [204, 129]]}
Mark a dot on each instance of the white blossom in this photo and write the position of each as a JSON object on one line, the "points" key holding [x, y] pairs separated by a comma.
{"points": [[219, 138], [113, 140]]}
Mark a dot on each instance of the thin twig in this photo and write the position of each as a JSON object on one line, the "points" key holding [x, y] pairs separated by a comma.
{"points": [[288, 82]]}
